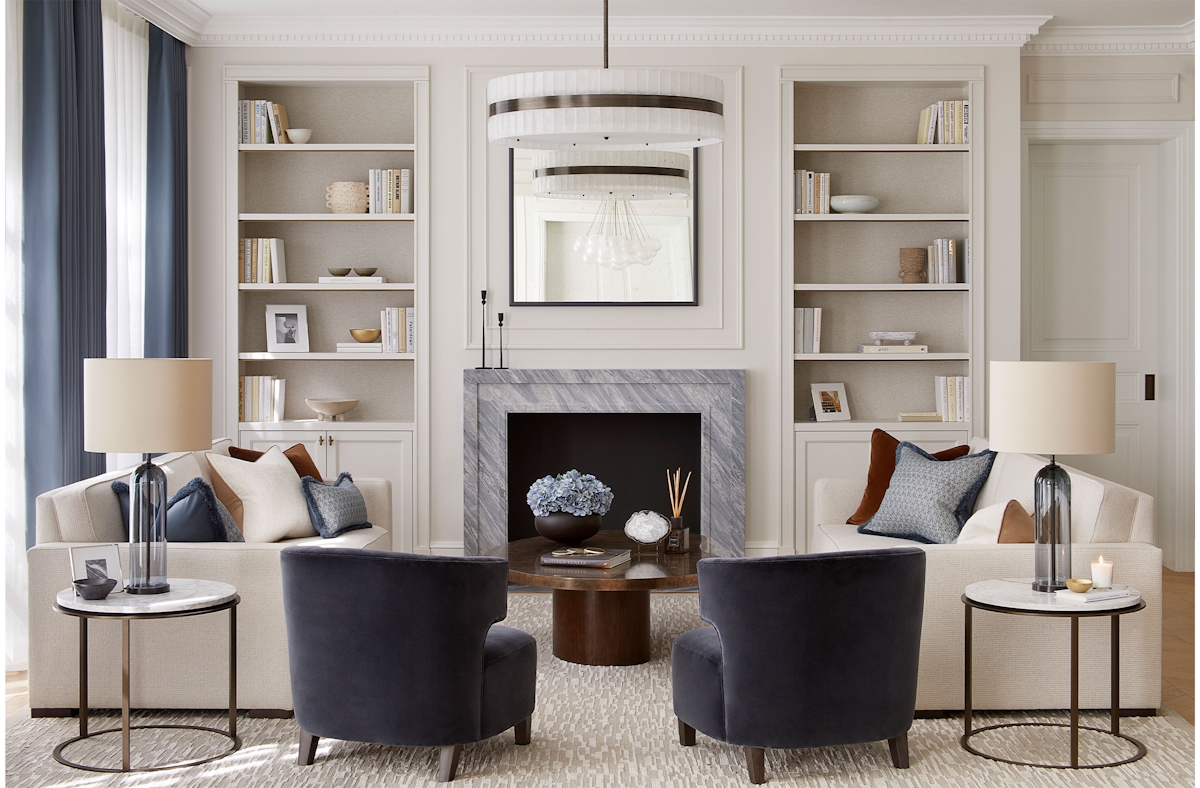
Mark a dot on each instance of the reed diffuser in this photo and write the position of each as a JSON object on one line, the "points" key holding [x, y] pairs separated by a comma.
{"points": [[679, 537]]}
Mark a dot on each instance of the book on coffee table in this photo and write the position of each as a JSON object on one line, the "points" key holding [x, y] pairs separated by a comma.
{"points": [[593, 558]]}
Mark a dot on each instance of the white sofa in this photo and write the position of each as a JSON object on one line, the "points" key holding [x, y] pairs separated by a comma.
{"points": [[1023, 662], [176, 663]]}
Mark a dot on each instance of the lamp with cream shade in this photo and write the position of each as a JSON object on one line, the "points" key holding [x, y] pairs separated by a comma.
{"points": [[1051, 408], [147, 406]]}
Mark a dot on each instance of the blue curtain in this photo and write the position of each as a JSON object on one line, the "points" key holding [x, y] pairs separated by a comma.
{"points": [[166, 327], [63, 241]]}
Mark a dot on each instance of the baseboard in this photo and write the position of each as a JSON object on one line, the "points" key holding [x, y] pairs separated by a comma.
{"points": [[270, 714], [446, 548], [53, 712]]}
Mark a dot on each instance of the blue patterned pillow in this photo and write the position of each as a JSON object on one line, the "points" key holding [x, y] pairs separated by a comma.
{"points": [[193, 514], [929, 500], [335, 508]]}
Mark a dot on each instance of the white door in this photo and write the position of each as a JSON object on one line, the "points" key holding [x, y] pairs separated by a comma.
{"points": [[378, 455], [261, 440], [1091, 284]]}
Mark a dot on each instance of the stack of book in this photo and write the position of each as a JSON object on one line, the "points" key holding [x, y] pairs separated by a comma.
{"points": [[399, 329], [812, 191], [261, 261], [953, 396], [262, 122], [351, 280], [260, 398], [946, 265], [893, 349], [945, 123], [360, 347], [389, 191], [808, 329]]}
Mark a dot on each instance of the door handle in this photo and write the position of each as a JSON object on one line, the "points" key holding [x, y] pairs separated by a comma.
{"points": [[1149, 388]]}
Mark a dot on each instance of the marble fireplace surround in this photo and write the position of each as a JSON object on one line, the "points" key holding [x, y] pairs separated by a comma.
{"points": [[718, 395]]}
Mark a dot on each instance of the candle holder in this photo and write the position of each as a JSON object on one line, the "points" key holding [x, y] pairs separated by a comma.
{"points": [[1102, 574], [500, 316], [483, 339]]}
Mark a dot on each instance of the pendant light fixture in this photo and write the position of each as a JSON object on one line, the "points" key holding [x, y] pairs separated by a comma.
{"points": [[606, 109]]}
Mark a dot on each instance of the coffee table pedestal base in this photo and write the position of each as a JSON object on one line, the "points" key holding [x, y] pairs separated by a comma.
{"points": [[602, 627]]}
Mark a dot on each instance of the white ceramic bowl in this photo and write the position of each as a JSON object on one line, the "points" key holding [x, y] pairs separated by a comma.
{"points": [[853, 203], [299, 136], [331, 408]]}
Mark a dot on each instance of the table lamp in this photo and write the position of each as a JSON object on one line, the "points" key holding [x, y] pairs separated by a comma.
{"points": [[1049, 408], [147, 406]]}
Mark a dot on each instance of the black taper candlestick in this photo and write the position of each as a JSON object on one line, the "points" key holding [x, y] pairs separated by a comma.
{"points": [[500, 315], [483, 347]]}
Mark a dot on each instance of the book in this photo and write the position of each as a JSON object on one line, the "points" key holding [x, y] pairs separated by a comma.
{"points": [[808, 330], [966, 123], [931, 274], [798, 329], [277, 398], [966, 398], [893, 349], [952, 408], [278, 266], [274, 113], [939, 395], [1092, 595], [356, 345], [816, 347], [958, 399], [931, 132], [406, 205], [351, 280], [919, 417], [923, 127], [824, 192], [606, 560], [410, 330]]}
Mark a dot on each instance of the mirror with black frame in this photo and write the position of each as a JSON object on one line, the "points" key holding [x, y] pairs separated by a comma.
{"points": [[602, 228]]}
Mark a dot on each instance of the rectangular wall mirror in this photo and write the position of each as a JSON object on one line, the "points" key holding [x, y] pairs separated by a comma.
{"points": [[602, 228]]}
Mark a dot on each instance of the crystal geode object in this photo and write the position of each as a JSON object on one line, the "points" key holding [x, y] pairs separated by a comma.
{"points": [[646, 526]]}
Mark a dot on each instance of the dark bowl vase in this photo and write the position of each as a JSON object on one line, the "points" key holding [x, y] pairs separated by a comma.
{"points": [[567, 528], [94, 588]]}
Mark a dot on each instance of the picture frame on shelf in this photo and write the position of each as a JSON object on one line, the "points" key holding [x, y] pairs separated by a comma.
{"points": [[829, 401], [287, 328], [100, 561]]}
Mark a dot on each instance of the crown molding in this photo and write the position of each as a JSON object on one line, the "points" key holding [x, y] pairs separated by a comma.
{"points": [[564, 31], [183, 19], [1141, 40]]}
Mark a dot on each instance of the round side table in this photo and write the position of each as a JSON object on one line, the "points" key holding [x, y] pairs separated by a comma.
{"points": [[186, 598], [1016, 597]]}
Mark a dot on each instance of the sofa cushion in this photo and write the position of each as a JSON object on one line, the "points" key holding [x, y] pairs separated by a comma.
{"points": [[298, 455], [840, 537], [927, 500], [193, 514], [1001, 523], [265, 493], [373, 538], [883, 465], [334, 508]]}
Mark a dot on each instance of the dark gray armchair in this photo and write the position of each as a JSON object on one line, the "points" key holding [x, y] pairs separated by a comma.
{"points": [[401, 649], [804, 651]]}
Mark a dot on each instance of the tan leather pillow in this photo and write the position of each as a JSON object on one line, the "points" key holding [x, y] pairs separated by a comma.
{"points": [[298, 455], [1016, 527], [883, 465]]}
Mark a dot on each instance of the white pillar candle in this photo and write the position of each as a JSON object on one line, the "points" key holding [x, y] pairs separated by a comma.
{"points": [[1102, 573]]}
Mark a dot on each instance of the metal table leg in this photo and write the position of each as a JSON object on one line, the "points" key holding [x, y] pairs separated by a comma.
{"points": [[967, 673], [1116, 674], [233, 671], [1074, 692], [83, 676], [125, 695]]}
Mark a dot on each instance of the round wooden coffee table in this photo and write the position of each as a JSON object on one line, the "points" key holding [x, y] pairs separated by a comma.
{"points": [[601, 617]]}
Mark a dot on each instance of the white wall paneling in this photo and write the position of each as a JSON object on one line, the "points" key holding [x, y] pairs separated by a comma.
{"points": [[1103, 88]]}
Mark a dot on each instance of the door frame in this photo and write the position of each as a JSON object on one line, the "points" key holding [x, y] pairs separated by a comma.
{"points": [[1176, 385]]}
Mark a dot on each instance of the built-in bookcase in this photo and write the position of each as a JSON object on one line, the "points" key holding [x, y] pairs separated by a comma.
{"points": [[362, 118], [860, 125]]}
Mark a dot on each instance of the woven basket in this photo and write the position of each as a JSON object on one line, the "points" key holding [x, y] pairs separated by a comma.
{"points": [[346, 197], [912, 266]]}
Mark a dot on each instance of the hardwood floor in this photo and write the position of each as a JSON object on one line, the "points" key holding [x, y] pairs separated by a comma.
{"points": [[1179, 658]]}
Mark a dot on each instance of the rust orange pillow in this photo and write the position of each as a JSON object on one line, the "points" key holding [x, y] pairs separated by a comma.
{"points": [[297, 455], [883, 465], [1016, 527]]}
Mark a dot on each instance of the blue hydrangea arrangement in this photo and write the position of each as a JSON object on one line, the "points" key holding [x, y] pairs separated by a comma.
{"points": [[572, 492]]}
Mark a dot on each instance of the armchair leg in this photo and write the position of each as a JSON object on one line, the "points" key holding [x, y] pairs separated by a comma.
{"points": [[899, 749], [308, 749], [523, 730], [756, 764], [448, 763], [687, 734]]}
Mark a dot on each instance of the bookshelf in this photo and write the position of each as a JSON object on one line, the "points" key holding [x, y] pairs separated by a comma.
{"points": [[362, 117], [859, 124]]}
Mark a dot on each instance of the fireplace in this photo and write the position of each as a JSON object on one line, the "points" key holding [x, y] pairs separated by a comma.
{"points": [[702, 430]]}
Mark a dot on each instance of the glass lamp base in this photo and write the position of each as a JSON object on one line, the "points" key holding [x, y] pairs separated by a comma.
{"points": [[158, 589], [1048, 587]]}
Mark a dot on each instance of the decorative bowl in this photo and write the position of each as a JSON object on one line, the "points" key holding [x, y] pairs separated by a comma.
{"points": [[346, 197], [365, 334], [853, 203], [365, 271], [1078, 585], [95, 588], [299, 136], [567, 528], [338, 271], [331, 409]]}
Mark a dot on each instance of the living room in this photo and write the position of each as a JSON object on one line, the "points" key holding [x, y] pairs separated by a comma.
{"points": [[410, 297]]}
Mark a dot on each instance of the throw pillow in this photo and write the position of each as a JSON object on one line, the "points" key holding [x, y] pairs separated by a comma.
{"points": [[193, 514], [929, 500], [879, 474], [1017, 525], [1000, 523], [335, 508], [267, 493], [298, 455]]}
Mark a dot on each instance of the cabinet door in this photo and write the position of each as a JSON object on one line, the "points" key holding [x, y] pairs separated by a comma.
{"points": [[380, 455], [314, 441]]}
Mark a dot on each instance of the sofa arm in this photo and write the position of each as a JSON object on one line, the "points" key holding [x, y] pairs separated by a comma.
{"points": [[378, 495], [834, 500]]}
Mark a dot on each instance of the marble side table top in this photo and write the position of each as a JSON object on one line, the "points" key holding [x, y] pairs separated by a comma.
{"points": [[185, 594], [1018, 594]]}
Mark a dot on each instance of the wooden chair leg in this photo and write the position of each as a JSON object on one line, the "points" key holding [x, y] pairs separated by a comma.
{"points": [[523, 730], [448, 762], [308, 749], [756, 764], [687, 734], [899, 749]]}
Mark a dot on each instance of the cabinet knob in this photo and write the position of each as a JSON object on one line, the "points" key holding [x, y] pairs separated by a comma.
{"points": [[320, 440], [330, 440]]}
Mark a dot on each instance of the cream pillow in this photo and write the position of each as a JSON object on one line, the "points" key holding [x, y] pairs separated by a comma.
{"points": [[273, 505], [983, 527]]}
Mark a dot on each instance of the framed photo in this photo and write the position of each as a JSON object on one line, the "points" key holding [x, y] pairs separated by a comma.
{"points": [[287, 328], [829, 401], [101, 560]]}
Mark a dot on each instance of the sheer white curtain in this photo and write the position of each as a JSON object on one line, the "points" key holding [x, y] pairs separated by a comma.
{"points": [[126, 63]]}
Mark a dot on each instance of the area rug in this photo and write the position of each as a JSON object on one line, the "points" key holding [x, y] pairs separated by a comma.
{"points": [[594, 726]]}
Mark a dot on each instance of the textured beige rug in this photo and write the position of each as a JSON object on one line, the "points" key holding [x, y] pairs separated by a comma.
{"points": [[593, 727]]}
